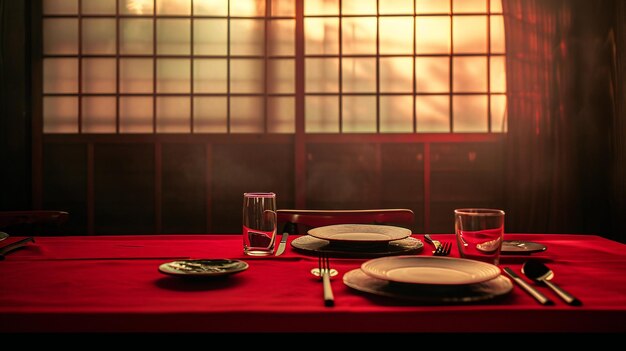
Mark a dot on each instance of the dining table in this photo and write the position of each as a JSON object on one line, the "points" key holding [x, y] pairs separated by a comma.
{"points": [[112, 283]]}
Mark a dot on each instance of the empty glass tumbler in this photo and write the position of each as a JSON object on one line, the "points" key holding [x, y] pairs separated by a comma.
{"points": [[479, 233], [259, 223]]}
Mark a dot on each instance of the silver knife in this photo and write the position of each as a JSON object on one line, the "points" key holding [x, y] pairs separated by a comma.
{"points": [[283, 241], [541, 298]]}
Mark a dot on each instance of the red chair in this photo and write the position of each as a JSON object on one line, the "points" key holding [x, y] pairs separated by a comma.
{"points": [[299, 221], [32, 223]]}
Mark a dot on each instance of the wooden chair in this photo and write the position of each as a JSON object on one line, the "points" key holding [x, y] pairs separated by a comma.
{"points": [[299, 221], [32, 223]]}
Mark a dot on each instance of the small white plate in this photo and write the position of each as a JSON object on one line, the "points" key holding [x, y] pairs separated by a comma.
{"points": [[360, 233], [430, 270], [203, 267]]}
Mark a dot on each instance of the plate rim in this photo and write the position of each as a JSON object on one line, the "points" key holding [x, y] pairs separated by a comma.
{"points": [[495, 270], [203, 274], [408, 232], [358, 254], [542, 249]]}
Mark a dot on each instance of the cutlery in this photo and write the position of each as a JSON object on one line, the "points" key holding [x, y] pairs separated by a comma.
{"points": [[326, 272], [541, 298], [539, 272], [3, 236], [14, 245], [283, 241]]}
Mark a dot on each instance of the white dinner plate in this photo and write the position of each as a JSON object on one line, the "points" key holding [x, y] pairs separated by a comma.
{"points": [[203, 267], [360, 233], [432, 270]]}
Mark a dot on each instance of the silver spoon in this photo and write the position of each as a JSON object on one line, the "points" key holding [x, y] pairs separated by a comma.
{"points": [[539, 272]]}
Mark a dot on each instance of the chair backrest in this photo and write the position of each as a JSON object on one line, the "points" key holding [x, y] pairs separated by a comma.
{"points": [[306, 219], [32, 223]]}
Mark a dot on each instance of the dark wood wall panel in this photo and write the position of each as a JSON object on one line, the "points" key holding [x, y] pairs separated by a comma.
{"points": [[184, 188], [240, 168], [65, 184], [124, 188]]}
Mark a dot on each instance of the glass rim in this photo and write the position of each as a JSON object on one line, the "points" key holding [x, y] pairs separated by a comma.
{"points": [[259, 194], [479, 212]]}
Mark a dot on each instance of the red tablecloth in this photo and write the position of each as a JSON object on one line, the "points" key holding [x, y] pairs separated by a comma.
{"points": [[111, 283]]}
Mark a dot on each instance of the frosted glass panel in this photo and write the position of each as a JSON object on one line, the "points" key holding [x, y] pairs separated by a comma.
{"points": [[286, 8], [321, 7], [210, 76], [432, 6], [496, 6], [60, 36], [282, 76], [396, 35], [60, 75], [470, 34], [173, 115], [432, 74], [247, 8], [210, 114], [498, 114], [470, 74], [173, 7], [210, 36], [395, 7], [136, 7], [246, 76], [173, 76], [60, 7], [470, 113], [469, 6], [322, 75], [396, 74], [321, 114], [432, 35], [321, 36], [396, 114], [98, 7], [281, 114], [497, 34], [359, 35], [210, 8], [98, 75], [247, 37], [136, 36], [246, 115], [359, 114], [136, 115], [358, 7], [359, 75], [433, 114], [98, 36], [98, 115], [60, 114], [136, 75], [173, 37], [498, 75], [282, 34]]}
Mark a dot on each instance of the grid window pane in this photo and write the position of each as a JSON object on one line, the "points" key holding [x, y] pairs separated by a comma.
{"points": [[60, 36], [432, 35], [321, 36], [98, 7], [173, 7], [60, 114], [136, 36], [98, 75], [98, 114], [433, 113], [60, 7], [395, 7], [396, 35], [60, 75], [173, 76], [283, 38], [358, 75], [246, 76], [247, 8], [210, 8], [136, 75], [210, 75], [498, 114], [469, 6], [173, 37], [496, 6], [321, 75], [358, 35], [136, 114], [396, 114], [432, 74], [470, 74], [470, 34], [281, 75], [393, 75], [322, 114], [215, 43], [247, 37], [321, 7], [470, 114], [358, 7], [497, 74], [210, 114], [497, 34], [138, 8], [173, 114], [246, 115], [281, 113], [432, 6], [283, 8], [359, 114], [98, 36]]}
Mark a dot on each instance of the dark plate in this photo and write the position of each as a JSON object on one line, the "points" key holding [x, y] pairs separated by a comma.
{"points": [[203, 267], [309, 244], [521, 247]]}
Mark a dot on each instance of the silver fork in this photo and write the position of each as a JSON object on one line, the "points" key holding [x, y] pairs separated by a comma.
{"points": [[324, 267], [441, 249]]}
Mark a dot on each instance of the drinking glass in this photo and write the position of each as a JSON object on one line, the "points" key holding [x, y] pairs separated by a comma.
{"points": [[259, 223], [479, 233]]}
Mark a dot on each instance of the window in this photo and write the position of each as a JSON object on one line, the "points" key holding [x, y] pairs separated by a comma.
{"points": [[232, 66]]}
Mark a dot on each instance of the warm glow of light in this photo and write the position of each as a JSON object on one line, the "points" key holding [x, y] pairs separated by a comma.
{"points": [[138, 6]]}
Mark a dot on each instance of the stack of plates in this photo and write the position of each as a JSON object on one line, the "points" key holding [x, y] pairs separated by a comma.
{"points": [[358, 240], [429, 279]]}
